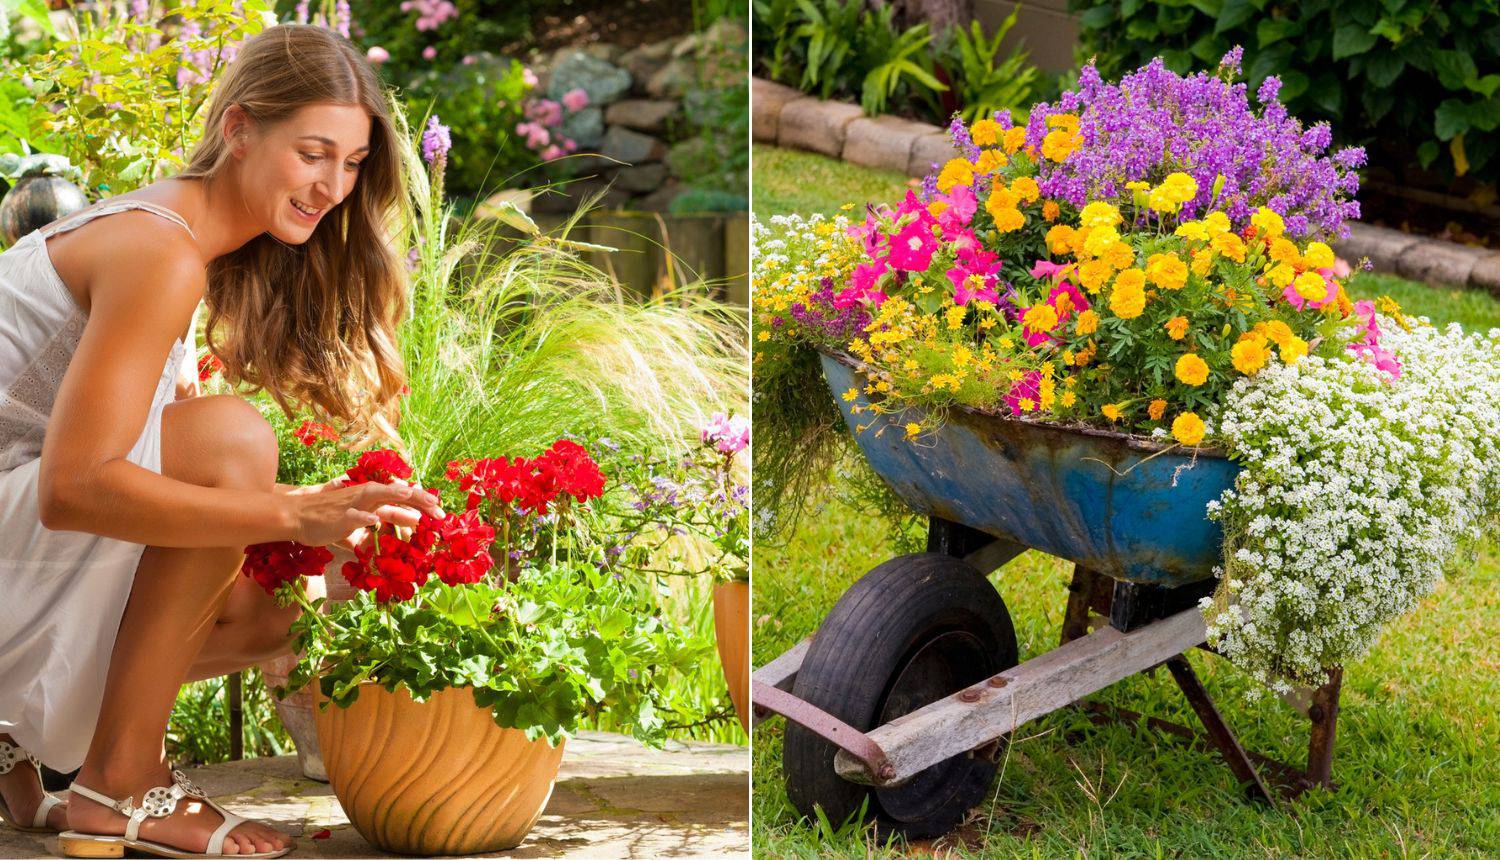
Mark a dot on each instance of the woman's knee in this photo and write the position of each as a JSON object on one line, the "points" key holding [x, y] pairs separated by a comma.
{"points": [[218, 441]]}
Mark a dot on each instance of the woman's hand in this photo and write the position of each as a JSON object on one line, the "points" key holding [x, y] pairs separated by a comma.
{"points": [[333, 513]]}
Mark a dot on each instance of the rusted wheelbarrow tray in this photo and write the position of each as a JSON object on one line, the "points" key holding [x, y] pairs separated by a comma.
{"points": [[1113, 503]]}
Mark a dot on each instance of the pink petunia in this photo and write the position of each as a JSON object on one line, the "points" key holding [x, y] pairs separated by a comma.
{"points": [[1028, 387], [913, 247], [1295, 299]]}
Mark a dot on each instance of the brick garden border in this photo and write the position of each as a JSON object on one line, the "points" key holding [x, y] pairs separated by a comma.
{"points": [[787, 117]]}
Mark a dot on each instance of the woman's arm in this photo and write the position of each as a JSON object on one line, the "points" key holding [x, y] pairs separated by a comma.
{"points": [[87, 484]]}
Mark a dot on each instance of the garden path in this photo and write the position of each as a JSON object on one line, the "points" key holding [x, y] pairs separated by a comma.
{"points": [[614, 799]]}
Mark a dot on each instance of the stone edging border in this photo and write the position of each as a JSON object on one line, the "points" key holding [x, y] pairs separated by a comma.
{"points": [[787, 117]]}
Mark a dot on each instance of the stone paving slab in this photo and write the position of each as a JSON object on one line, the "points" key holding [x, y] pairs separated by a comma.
{"points": [[614, 799]]}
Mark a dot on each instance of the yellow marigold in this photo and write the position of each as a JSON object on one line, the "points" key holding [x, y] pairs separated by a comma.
{"points": [[1050, 211], [1157, 409], [1058, 145], [1008, 220], [1060, 237], [1191, 369], [1093, 273], [1318, 256], [1166, 271], [1230, 246], [990, 160], [937, 207], [1026, 188], [1188, 428], [1131, 279], [1137, 185], [1119, 255], [1100, 240], [1216, 222], [1088, 322], [1250, 354], [1275, 331], [1203, 261], [1281, 274], [1283, 251], [1293, 350], [1176, 327], [1268, 222], [985, 132], [1311, 286], [1040, 318], [1127, 301], [1002, 198], [1193, 230], [1013, 139], [957, 171], [1099, 214], [1066, 121], [1111, 411]]}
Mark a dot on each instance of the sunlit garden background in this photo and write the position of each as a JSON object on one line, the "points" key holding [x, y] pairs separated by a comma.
{"points": [[524, 123]]}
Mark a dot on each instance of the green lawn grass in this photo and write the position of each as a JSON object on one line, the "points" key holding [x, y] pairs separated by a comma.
{"points": [[1418, 737]]}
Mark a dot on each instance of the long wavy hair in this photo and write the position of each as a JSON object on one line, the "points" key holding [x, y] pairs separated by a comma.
{"points": [[314, 325]]}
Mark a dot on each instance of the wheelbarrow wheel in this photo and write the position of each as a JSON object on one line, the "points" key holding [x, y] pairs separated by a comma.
{"points": [[913, 630]]}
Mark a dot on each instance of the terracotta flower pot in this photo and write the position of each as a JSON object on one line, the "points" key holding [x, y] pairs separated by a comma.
{"points": [[435, 777], [732, 631]]}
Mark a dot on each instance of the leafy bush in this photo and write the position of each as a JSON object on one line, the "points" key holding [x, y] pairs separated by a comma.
{"points": [[483, 102], [841, 49], [1414, 81], [479, 25]]}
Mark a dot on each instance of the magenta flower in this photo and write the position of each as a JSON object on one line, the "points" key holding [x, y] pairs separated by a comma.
{"points": [[728, 434], [913, 247], [553, 151], [959, 212], [1295, 299], [429, 53], [1028, 387], [377, 55], [575, 99]]}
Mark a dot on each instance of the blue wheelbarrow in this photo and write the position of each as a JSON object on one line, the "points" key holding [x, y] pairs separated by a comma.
{"points": [[900, 704]]}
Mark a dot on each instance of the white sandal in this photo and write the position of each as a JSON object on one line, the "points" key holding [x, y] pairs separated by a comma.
{"points": [[159, 802], [10, 756]]}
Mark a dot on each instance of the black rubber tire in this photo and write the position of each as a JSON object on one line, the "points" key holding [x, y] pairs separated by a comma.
{"points": [[884, 621]]}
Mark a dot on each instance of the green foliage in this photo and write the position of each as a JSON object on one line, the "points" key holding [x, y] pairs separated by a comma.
{"points": [[481, 25], [984, 87], [562, 642], [198, 731], [482, 102], [718, 117], [849, 49], [110, 97], [1414, 81]]}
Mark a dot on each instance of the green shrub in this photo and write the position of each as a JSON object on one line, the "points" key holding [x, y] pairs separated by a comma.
{"points": [[482, 102], [1416, 82]]}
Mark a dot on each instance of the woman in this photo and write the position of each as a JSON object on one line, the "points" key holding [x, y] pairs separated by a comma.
{"points": [[123, 517]]}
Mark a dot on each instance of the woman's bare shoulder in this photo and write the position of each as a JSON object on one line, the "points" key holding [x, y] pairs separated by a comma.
{"points": [[130, 251]]}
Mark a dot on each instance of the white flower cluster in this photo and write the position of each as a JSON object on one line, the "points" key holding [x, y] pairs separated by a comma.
{"points": [[1356, 490]]}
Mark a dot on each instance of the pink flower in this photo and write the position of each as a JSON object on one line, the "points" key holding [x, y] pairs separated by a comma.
{"points": [[429, 53], [913, 247], [862, 286], [1296, 300], [1076, 299], [1028, 387], [959, 211], [529, 77], [728, 435], [553, 151], [1046, 269], [377, 55], [468, 59], [575, 99]]}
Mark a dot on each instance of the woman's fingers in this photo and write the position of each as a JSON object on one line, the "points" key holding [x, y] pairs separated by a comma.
{"points": [[375, 496], [398, 515]]}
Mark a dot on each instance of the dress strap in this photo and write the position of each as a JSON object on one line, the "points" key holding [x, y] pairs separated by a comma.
{"points": [[110, 207]]}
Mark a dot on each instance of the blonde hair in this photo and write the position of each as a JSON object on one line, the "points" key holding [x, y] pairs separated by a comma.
{"points": [[314, 325]]}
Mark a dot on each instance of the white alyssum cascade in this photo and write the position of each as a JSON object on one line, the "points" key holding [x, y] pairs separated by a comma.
{"points": [[1357, 489]]}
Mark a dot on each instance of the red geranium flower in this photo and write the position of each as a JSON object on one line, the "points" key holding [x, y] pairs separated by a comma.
{"points": [[577, 473], [272, 564], [378, 467], [395, 572], [311, 431], [208, 365], [458, 546]]}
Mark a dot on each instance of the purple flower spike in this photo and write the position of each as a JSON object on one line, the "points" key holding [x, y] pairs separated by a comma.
{"points": [[436, 141]]}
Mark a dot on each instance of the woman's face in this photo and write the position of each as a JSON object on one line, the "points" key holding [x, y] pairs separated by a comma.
{"points": [[298, 169]]}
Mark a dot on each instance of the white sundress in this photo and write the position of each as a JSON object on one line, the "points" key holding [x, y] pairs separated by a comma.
{"points": [[62, 593]]}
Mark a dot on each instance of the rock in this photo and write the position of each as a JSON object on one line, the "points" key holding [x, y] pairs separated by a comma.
{"points": [[689, 157], [661, 199], [641, 178], [1486, 274], [602, 80], [1438, 262], [1381, 245], [605, 51], [642, 114], [585, 127], [646, 60], [820, 126], [590, 164], [631, 147], [766, 101], [884, 142], [929, 150], [672, 80]]}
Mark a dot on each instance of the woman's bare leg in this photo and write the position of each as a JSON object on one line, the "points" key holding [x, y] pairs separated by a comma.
{"points": [[250, 630], [175, 602], [21, 790]]}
